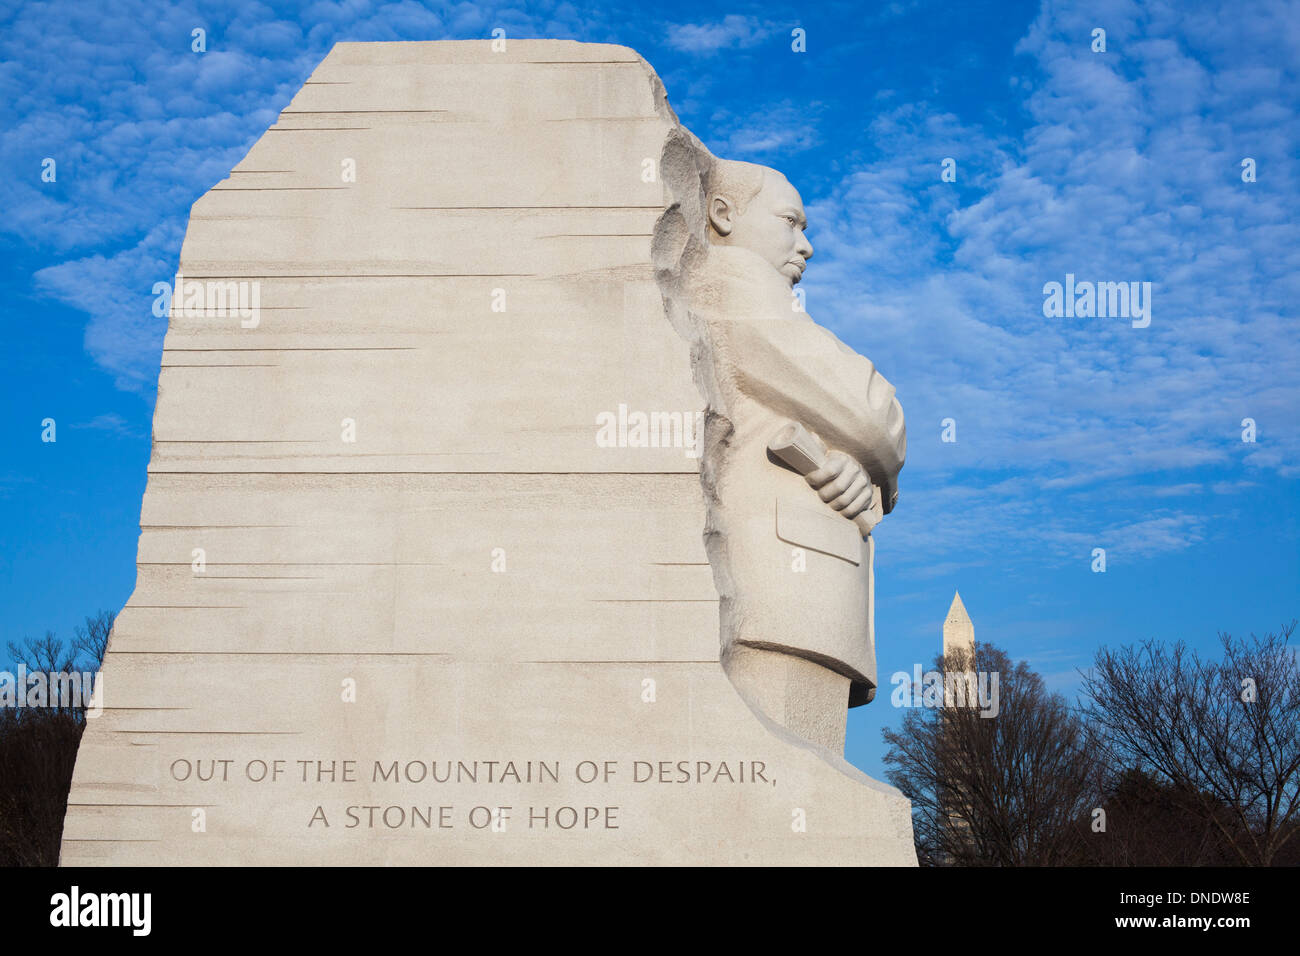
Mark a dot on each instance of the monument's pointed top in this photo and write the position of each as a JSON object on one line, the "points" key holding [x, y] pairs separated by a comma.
{"points": [[958, 629], [957, 610]]}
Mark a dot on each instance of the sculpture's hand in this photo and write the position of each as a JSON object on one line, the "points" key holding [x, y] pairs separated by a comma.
{"points": [[843, 484]]}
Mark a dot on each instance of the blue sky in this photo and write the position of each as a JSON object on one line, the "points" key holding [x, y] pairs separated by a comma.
{"points": [[1072, 433]]}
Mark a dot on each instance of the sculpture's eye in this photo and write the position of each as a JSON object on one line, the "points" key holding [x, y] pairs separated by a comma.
{"points": [[791, 220]]}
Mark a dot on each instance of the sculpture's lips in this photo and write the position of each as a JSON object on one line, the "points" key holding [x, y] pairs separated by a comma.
{"points": [[799, 264]]}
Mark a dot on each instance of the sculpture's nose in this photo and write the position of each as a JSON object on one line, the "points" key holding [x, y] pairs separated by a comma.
{"points": [[803, 246]]}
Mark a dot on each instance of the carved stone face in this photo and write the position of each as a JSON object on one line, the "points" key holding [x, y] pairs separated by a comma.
{"points": [[772, 225]]}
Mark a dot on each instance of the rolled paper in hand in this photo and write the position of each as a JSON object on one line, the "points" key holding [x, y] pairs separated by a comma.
{"points": [[804, 452], [798, 447]]}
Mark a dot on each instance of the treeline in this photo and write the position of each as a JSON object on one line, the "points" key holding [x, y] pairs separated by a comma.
{"points": [[1168, 759], [38, 745]]}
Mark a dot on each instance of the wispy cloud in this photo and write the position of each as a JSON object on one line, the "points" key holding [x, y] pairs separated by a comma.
{"points": [[139, 126], [1129, 170], [776, 130], [731, 32], [116, 291], [110, 422]]}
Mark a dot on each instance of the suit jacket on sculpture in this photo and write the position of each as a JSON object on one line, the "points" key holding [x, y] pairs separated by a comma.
{"points": [[800, 574]]}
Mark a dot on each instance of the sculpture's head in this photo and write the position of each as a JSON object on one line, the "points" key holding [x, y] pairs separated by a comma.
{"points": [[756, 208]]}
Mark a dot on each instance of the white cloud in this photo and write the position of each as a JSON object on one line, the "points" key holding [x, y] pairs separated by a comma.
{"points": [[140, 126], [1128, 171], [733, 31], [123, 335], [779, 128]]}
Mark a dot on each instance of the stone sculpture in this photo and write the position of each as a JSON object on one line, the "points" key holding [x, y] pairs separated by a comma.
{"points": [[434, 566], [795, 573]]}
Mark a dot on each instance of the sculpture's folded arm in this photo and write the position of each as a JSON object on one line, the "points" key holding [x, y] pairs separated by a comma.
{"points": [[803, 371]]}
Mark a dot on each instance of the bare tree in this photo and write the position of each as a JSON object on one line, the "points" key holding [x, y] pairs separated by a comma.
{"points": [[92, 637], [46, 655], [1004, 790], [1225, 735], [38, 746], [53, 662]]}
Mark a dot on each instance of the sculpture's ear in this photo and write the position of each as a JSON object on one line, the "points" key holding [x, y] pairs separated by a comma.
{"points": [[721, 213]]}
